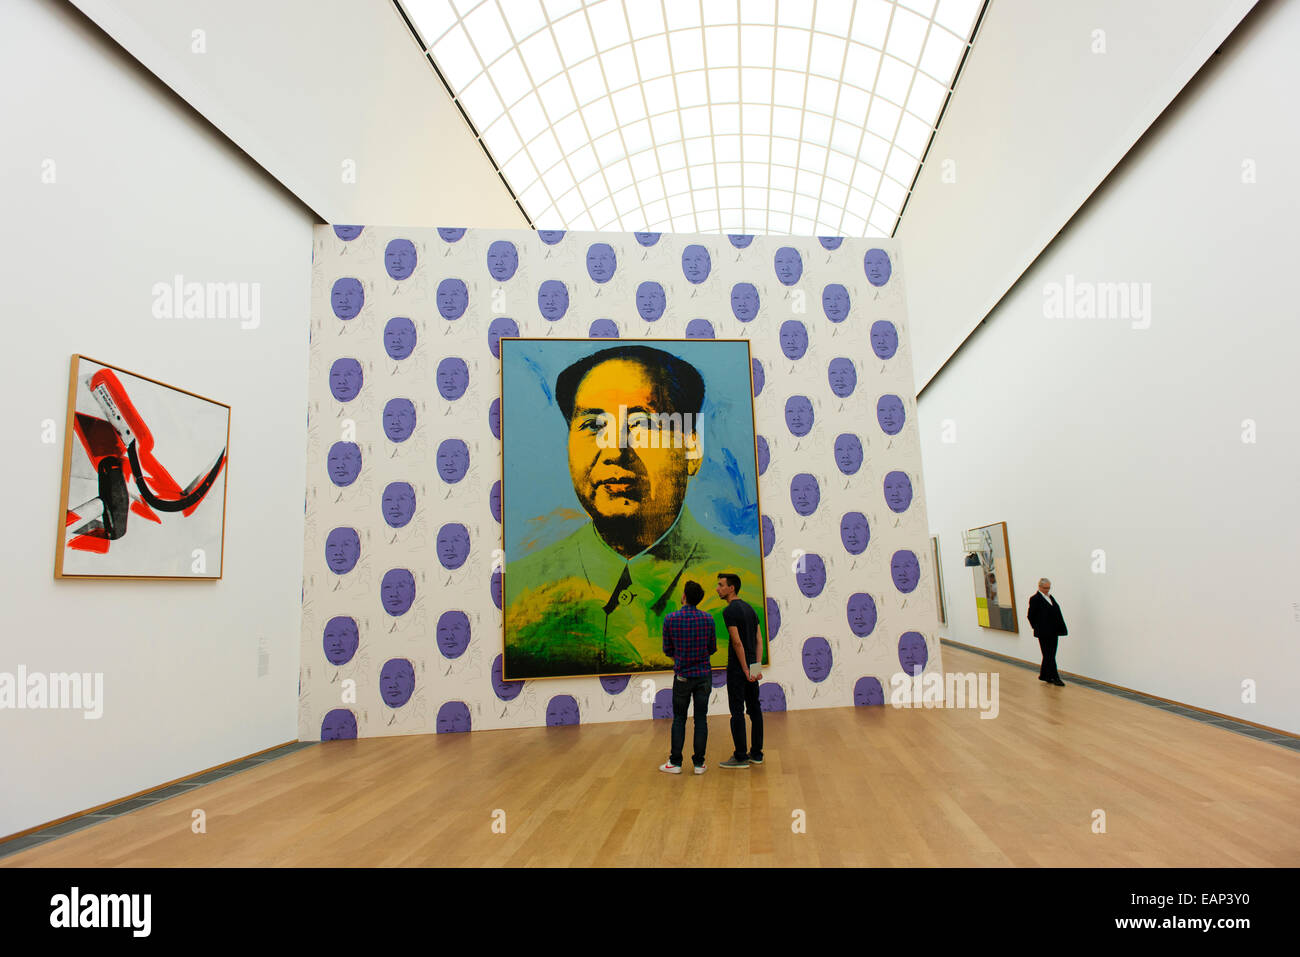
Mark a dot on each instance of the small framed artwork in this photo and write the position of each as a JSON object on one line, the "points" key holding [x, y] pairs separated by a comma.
{"points": [[995, 595], [144, 478], [940, 603]]}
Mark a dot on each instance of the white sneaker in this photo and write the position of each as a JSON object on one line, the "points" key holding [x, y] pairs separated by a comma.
{"points": [[670, 767], [699, 769]]}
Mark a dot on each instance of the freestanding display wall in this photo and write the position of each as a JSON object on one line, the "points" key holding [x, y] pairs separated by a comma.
{"points": [[402, 590]]}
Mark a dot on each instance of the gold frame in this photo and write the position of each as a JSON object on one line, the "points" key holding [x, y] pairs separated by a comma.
{"points": [[60, 535], [758, 498], [1006, 550]]}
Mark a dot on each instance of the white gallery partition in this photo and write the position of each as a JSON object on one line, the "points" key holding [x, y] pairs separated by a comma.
{"points": [[1130, 410]]}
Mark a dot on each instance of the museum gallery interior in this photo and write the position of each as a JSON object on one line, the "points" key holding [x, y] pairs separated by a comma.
{"points": [[439, 405]]}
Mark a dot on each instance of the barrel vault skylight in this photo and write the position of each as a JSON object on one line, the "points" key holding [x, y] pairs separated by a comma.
{"points": [[808, 117]]}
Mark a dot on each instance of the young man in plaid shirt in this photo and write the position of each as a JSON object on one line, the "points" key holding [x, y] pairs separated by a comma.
{"points": [[690, 639]]}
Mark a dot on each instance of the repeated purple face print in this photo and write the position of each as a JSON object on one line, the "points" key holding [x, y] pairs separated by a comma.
{"points": [[399, 337], [341, 639]]}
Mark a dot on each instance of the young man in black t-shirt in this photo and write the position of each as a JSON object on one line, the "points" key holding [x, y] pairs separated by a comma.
{"points": [[744, 654]]}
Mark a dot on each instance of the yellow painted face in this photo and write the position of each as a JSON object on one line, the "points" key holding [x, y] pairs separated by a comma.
{"points": [[630, 455]]}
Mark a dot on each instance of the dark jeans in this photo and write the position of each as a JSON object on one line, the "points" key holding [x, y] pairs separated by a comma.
{"points": [[684, 689], [742, 696], [1048, 670]]}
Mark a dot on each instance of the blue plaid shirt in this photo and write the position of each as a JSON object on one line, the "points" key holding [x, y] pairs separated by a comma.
{"points": [[690, 639]]}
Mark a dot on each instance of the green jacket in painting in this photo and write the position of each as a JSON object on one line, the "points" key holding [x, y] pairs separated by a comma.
{"points": [[577, 607]]}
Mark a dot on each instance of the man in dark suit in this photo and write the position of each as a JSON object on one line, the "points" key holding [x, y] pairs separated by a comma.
{"points": [[1049, 624]]}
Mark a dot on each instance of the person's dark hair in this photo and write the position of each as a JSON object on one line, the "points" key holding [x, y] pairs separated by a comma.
{"points": [[732, 579], [681, 381], [692, 593]]}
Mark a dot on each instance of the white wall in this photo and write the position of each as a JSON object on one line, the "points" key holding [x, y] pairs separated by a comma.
{"points": [[1088, 434], [1051, 97], [144, 190], [304, 86]]}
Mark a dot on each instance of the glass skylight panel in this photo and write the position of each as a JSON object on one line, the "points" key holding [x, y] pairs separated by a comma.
{"points": [[700, 115]]}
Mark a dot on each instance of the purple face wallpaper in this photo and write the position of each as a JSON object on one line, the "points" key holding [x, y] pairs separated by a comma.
{"points": [[898, 491], [553, 299], [397, 591], [399, 337], [848, 453], [601, 262], [884, 338], [494, 500], [805, 494], [835, 302], [452, 378], [452, 299], [550, 236], [345, 379], [877, 266], [502, 260], [773, 619], [338, 725], [450, 234], [758, 375], [663, 704], [855, 533], [453, 633], [769, 535], [498, 327], [453, 545], [788, 264], [699, 329], [890, 415], [398, 504], [799, 415], [347, 297], [830, 242], [764, 453], [867, 692], [396, 682], [912, 653], [494, 588], [862, 614], [603, 329], [561, 710], [842, 376], [348, 233], [771, 697], [494, 418], [696, 264], [505, 690], [342, 550], [399, 258], [453, 718], [905, 570], [647, 239], [817, 659], [794, 339], [740, 240], [744, 301], [651, 301], [614, 684], [399, 419], [343, 463], [340, 638], [811, 576], [452, 460]]}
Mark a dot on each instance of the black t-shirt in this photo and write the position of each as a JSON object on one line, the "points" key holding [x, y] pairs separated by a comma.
{"points": [[741, 614]]}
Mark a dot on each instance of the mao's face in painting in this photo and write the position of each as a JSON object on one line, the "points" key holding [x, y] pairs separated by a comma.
{"points": [[636, 485]]}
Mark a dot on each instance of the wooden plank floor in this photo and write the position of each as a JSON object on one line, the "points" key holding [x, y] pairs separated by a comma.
{"points": [[877, 787]]}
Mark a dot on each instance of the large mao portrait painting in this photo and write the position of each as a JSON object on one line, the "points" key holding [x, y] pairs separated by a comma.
{"points": [[628, 470]]}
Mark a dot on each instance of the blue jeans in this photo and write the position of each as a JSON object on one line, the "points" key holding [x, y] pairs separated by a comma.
{"points": [[684, 689]]}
